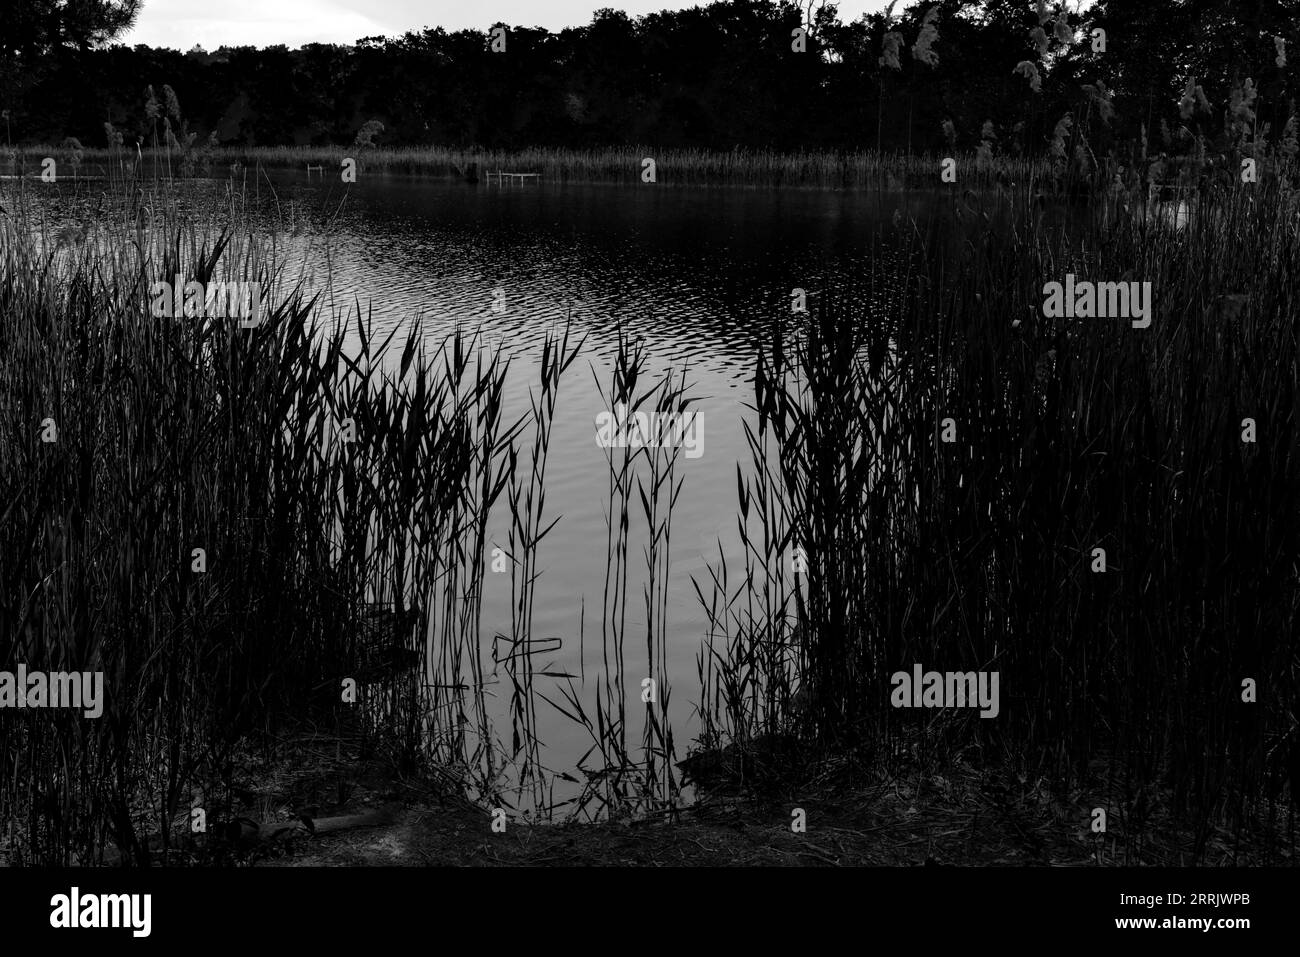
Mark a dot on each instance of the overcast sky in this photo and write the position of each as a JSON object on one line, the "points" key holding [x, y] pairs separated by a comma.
{"points": [[181, 24]]}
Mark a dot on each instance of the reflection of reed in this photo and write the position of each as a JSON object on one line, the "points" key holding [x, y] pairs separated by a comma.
{"points": [[623, 779], [527, 499]]}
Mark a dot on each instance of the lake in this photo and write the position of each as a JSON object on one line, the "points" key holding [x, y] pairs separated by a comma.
{"points": [[697, 274]]}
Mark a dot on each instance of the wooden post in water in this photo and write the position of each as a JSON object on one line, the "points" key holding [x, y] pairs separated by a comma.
{"points": [[502, 176]]}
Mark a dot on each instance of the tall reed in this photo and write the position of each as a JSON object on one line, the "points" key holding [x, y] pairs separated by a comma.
{"points": [[978, 554], [339, 488]]}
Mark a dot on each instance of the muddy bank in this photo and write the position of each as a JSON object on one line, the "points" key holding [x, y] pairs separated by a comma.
{"points": [[853, 816]]}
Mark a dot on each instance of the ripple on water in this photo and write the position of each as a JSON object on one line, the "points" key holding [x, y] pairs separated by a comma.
{"points": [[698, 275]]}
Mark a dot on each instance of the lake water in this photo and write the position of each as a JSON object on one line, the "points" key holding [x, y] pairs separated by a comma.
{"points": [[697, 274]]}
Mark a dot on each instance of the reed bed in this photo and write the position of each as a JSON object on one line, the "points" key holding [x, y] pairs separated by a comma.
{"points": [[338, 487], [342, 488], [644, 482], [681, 167], [978, 554]]}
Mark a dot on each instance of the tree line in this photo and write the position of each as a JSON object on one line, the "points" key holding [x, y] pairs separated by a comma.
{"points": [[993, 75]]}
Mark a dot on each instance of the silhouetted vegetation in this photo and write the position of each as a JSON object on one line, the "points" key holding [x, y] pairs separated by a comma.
{"points": [[716, 77], [360, 550]]}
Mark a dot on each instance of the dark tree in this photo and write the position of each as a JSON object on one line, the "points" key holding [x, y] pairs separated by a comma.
{"points": [[38, 34], [716, 76]]}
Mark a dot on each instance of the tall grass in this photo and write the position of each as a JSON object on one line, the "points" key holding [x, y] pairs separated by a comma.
{"points": [[680, 167], [977, 554], [339, 487], [619, 778], [329, 558]]}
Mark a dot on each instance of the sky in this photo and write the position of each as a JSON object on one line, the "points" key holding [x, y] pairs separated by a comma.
{"points": [[182, 24]]}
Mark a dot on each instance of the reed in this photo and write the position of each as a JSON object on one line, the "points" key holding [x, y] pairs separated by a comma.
{"points": [[620, 779], [342, 489], [679, 167], [978, 554], [339, 487]]}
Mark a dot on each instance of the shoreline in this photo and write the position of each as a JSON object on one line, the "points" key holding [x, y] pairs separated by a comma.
{"points": [[822, 172], [965, 814]]}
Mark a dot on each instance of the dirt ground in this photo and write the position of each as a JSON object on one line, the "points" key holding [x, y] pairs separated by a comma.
{"points": [[965, 816]]}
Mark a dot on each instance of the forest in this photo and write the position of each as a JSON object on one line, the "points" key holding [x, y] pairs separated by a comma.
{"points": [[724, 76]]}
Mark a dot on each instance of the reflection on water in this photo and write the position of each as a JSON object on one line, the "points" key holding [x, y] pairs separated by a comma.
{"points": [[699, 275], [696, 271]]}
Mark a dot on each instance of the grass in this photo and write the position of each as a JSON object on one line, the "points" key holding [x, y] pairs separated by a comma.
{"points": [[342, 490], [339, 487], [674, 167], [1071, 435], [624, 780], [330, 558]]}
